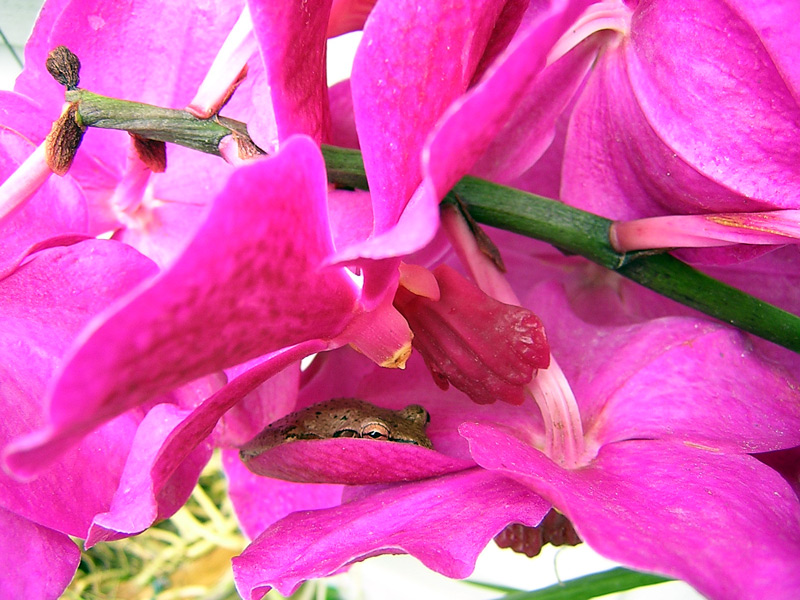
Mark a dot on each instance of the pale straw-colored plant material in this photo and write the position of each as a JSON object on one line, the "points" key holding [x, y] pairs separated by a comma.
{"points": [[185, 557]]}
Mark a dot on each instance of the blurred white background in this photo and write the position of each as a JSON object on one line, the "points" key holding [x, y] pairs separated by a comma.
{"points": [[398, 577]]}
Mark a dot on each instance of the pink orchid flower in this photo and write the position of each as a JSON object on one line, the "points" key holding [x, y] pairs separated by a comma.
{"points": [[240, 288], [275, 267], [672, 439]]}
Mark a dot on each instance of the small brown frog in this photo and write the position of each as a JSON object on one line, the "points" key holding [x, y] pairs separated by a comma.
{"points": [[344, 417]]}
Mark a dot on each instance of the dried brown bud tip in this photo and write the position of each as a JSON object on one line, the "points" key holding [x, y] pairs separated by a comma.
{"points": [[64, 66], [246, 147], [152, 153], [63, 140]]}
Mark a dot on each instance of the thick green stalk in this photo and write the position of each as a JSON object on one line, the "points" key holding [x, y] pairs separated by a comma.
{"points": [[153, 122]]}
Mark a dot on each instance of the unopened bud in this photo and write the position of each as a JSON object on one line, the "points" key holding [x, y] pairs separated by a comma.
{"points": [[152, 153], [554, 529], [63, 140], [64, 66], [247, 148]]}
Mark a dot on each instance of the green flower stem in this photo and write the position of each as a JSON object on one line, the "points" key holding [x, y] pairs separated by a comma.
{"points": [[572, 230], [153, 122], [578, 232], [591, 586]]}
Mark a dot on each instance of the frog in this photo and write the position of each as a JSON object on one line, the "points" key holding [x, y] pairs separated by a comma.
{"points": [[344, 417]]}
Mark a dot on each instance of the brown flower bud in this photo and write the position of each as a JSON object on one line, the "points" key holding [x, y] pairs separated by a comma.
{"points": [[64, 66], [152, 153], [63, 140], [554, 529]]}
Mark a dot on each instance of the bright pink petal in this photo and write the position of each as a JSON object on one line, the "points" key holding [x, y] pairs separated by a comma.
{"points": [[526, 136], [348, 15], [472, 122], [122, 54], [37, 563], [691, 91], [444, 522], [343, 123], [246, 286], [412, 62], [292, 38], [270, 401], [24, 115], [44, 305], [413, 161], [147, 493], [670, 508]]}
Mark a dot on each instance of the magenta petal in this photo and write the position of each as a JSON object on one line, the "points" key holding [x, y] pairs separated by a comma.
{"points": [[261, 501], [471, 123], [148, 491], [36, 563], [268, 402], [445, 522], [122, 53], [439, 139], [351, 461], [412, 62], [24, 115], [44, 304], [669, 508], [662, 126], [56, 208], [674, 377], [245, 286], [292, 38], [691, 88], [529, 132]]}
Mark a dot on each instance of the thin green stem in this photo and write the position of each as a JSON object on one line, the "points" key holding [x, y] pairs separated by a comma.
{"points": [[10, 47], [591, 586]]}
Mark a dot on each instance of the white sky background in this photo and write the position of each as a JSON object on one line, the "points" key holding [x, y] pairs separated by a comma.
{"points": [[399, 577]]}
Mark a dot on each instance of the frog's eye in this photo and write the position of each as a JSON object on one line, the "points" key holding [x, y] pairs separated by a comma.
{"points": [[345, 433], [376, 431], [417, 414]]}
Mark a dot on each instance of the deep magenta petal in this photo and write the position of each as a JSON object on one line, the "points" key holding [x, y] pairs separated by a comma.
{"points": [[45, 303], [470, 124], [405, 74], [147, 491], [716, 95], [58, 207], [244, 287], [671, 378], [693, 112], [261, 501], [445, 522], [352, 462], [36, 563], [670, 508], [485, 348], [292, 38], [122, 53]]}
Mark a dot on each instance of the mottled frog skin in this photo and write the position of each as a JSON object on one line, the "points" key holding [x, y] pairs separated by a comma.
{"points": [[344, 417]]}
